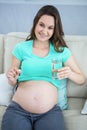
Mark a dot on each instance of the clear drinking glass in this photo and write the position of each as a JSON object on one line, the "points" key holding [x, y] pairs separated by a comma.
{"points": [[56, 64]]}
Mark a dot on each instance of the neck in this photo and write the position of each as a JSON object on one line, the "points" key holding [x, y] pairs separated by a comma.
{"points": [[41, 45]]}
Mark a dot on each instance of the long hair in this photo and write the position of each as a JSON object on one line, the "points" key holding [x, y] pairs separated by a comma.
{"points": [[57, 37]]}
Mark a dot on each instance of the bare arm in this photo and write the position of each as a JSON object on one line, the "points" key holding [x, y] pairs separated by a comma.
{"points": [[13, 71], [71, 71]]}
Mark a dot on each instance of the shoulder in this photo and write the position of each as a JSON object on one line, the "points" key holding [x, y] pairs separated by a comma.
{"points": [[66, 49], [24, 43], [21, 48], [63, 50], [66, 54]]}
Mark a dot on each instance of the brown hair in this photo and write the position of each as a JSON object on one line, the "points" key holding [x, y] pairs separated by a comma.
{"points": [[57, 37]]}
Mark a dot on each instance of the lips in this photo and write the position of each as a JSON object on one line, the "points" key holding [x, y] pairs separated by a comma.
{"points": [[42, 35]]}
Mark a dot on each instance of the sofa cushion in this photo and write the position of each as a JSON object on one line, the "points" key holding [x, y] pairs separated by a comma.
{"points": [[6, 90], [78, 46], [62, 95], [11, 39], [75, 103], [2, 110], [74, 120]]}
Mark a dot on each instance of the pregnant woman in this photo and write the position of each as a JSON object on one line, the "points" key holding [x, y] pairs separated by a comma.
{"points": [[34, 104]]}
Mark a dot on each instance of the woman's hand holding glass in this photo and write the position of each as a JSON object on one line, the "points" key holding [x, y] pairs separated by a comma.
{"points": [[64, 72], [59, 72]]}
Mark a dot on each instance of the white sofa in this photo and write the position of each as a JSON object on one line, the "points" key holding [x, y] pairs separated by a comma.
{"points": [[76, 94]]}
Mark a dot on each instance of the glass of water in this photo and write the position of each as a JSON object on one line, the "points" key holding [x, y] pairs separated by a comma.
{"points": [[56, 64]]}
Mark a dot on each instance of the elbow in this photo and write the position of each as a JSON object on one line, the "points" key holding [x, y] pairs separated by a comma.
{"points": [[82, 81]]}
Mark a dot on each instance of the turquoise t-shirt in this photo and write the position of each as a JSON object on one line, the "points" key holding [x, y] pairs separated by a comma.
{"points": [[34, 67]]}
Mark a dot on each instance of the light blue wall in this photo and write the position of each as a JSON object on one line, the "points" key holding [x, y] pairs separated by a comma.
{"points": [[19, 16]]}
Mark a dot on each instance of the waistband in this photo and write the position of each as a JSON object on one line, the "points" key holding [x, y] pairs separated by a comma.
{"points": [[14, 105]]}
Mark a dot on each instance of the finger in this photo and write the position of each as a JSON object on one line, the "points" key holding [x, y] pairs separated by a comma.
{"points": [[63, 74], [54, 70], [12, 72], [64, 69], [17, 71]]}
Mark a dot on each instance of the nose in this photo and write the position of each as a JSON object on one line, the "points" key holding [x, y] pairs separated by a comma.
{"points": [[45, 31]]}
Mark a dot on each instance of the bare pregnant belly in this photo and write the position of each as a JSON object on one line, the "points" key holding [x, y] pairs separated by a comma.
{"points": [[36, 96]]}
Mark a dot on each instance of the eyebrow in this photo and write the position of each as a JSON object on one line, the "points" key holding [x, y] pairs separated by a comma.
{"points": [[52, 26]]}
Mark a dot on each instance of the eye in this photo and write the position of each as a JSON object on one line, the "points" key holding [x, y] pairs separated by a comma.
{"points": [[50, 28], [42, 25]]}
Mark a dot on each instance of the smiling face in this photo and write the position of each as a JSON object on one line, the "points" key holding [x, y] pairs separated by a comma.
{"points": [[44, 28]]}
